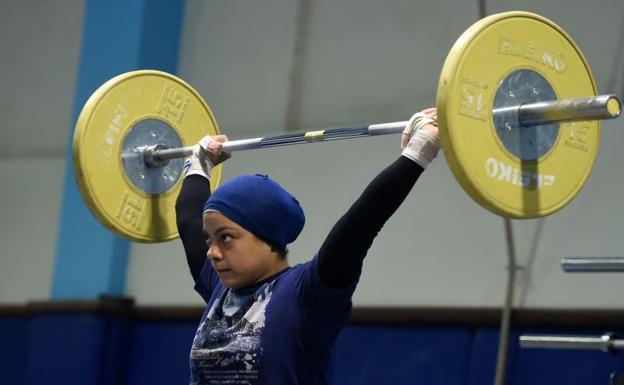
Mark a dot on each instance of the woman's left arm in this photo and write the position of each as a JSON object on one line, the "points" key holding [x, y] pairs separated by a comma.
{"points": [[342, 253]]}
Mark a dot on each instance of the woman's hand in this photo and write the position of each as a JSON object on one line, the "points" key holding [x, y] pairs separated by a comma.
{"points": [[207, 153], [212, 148], [420, 140]]}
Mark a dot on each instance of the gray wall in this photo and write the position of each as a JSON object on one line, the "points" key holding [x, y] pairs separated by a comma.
{"points": [[40, 45], [267, 65]]}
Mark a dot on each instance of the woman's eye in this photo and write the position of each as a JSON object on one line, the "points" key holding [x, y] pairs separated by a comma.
{"points": [[208, 241], [226, 237]]}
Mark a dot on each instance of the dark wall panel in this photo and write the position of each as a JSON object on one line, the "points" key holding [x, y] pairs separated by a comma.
{"points": [[159, 353]]}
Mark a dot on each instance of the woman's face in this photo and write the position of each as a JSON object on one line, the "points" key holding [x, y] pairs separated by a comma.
{"points": [[238, 256]]}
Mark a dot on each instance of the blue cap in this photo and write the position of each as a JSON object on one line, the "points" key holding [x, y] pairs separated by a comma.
{"points": [[261, 206]]}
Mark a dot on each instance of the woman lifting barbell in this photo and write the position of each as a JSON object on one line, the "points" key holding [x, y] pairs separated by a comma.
{"points": [[267, 322]]}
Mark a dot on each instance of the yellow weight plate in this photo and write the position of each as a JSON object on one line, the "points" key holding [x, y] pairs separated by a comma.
{"points": [[129, 111], [483, 59]]}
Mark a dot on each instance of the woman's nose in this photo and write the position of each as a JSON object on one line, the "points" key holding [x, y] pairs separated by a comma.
{"points": [[214, 252]]}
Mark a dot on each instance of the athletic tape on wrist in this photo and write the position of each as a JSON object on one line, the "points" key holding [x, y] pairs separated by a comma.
{"points": [[422, 148]]}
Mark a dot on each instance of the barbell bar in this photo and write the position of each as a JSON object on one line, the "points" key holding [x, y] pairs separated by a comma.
{"points": [[155, 155], [592, 264], [534, 114], [606, 342], [510, 95]]}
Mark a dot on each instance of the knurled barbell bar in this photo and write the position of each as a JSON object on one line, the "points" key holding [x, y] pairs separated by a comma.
{"points": [[527, 115], [517, 113]]}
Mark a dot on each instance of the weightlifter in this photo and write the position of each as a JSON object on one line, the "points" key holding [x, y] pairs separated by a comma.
{"points": [[267, 322]]}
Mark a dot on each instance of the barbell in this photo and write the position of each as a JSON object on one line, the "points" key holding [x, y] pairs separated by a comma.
{"points": [[517, 112]]}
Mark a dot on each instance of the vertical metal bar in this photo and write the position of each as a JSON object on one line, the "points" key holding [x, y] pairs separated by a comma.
{"points": [[503, 341], [297, 71]]}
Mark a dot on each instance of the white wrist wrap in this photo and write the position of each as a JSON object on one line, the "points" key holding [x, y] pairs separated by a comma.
{"points": [[416, 122], [422, 147], [198, 163]]}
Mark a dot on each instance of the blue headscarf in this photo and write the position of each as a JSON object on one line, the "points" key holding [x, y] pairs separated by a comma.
{"points": [[261, 206]]}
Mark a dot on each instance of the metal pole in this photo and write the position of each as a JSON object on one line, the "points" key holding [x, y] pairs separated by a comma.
{"points": [[505, 325]]}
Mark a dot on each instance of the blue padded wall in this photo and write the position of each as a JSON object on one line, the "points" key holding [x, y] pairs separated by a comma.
{"points": [[66, 349], [77, 349], [483, 357], [14, 352], [575, 367], [541, 366], [401, 356], [159, 353], [116, 363], [91, 349]]}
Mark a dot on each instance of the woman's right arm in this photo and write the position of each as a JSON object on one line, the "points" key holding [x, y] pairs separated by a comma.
{"points": [[189, 206], [193, 195]]}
